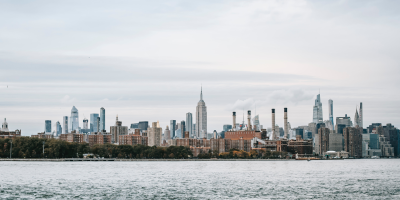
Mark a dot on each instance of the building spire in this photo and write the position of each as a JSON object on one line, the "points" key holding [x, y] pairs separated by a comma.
{"points": [[201, 93]]}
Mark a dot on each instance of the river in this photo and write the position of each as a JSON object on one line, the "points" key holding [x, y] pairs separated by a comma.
{"points": [[355, 179]]}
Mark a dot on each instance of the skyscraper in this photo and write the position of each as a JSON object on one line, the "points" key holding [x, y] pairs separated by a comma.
{"points": [[330, 102], [47, 126], [85, 124], [93, 122], [201, 117], [143, 125], [356, 119], [256, 122], [183, 128], [65, 125], [102, 119], [172, 124], [117, 130], [189, 123], [58, 129], [317, 110], [74, 119], [361, 116]]}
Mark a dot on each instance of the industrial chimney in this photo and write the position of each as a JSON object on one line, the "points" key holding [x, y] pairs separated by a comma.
{"points": [[234, 121], [273, 124], [285, 121], [249, 120]]}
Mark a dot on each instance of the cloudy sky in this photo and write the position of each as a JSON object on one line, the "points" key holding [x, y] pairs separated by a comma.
{"points": [[146, 60]]}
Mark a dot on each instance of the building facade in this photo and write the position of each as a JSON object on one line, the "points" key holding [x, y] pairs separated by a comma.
{"points": [[155, 135], [201, 118], [118, 130], [189, 123], [317, 110], [74, 119], [102, 119], [353, 141]]}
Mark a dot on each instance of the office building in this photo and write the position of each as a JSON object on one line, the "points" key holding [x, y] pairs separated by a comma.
{"points": [[317, 110], [330, 103], [65, 125], [344, 120], [201, 117], [154, 133], [256, 122], [143, 125], [189, 123], [117, 130], [93, 122], [353, 141], [102, 119], [85, 124], [74, 119], [183, 128], [361, 117], [58, 129], [47, 126], [172, 125], [335, 142], [323, 140], [134, 125], [167, 134]]}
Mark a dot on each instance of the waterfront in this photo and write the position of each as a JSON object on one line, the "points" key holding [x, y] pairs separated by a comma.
{"points": [[360, 179]]}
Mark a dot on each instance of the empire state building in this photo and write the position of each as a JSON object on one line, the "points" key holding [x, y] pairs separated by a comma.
{"points": [[201, 117]]}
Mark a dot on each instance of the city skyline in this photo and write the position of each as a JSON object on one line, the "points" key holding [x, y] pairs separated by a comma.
{"points": [[274, 54]]}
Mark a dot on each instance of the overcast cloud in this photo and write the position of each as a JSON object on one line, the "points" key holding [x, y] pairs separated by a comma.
{"points": [[146, 60]]}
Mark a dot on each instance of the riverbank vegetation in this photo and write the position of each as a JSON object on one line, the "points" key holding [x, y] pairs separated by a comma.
{"points": [[27, 147]]}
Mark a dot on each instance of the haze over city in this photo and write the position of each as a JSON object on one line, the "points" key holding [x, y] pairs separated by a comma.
{"points": [[146, 61]]}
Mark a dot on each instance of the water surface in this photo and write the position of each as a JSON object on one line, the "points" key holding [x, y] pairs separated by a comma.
{"points": [[355, 179]]}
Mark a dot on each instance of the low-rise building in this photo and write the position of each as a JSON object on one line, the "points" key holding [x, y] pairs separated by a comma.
{"points": [[72, 137], [43, 135], [99, 138]]}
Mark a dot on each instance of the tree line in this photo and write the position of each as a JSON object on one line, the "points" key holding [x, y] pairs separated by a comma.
{"points": [[27, 147]]}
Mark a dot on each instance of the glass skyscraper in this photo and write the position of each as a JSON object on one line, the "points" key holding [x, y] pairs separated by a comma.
{"points": [[330, 102], [317, 110], [102, 119], [172, 126], [93, 122], [74, 119], [47, 126], [189, 124]]}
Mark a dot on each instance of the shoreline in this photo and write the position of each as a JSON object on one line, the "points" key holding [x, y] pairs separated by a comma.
{"points": [[140, 160]]}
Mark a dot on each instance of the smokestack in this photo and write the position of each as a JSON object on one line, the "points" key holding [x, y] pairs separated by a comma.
{"points": [[273, 124], [249, 120], [234, 120], [285, 121]]}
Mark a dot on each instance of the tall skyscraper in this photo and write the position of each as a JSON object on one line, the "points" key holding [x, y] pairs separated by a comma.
{"points": [[65, 125], [93, 122], [58, 129], [102, 119], [74, 119], [172, 125], [201, 118], [189, 124], [361, 116], [47, 126], [330, 102], [317, 110], [183, 128], [167, 134]]}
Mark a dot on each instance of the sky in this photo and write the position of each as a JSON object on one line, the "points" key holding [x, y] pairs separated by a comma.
{"points": [[147, 60]]}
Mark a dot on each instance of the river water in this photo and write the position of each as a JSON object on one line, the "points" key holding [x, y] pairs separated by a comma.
{"points": [[355, 179]]}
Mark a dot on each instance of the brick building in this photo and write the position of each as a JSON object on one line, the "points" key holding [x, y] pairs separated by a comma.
{"points": [[43, 136], [99, 138], [353, 141], [246, 134], [72, 137], [133, 140]]}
